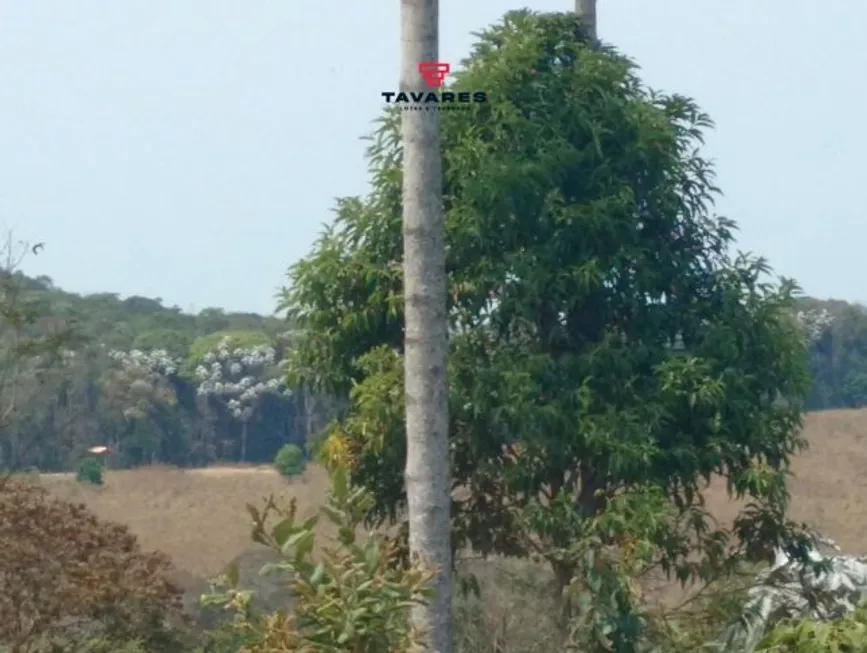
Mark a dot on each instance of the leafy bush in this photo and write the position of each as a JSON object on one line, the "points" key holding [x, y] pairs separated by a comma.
{"points": [[358, 596], [69, 578], [290, 460], [845, 635], [90, 471]]}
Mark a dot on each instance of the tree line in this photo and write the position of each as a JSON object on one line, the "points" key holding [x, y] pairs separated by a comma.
{"points": [[152, 383], [158, 385]]}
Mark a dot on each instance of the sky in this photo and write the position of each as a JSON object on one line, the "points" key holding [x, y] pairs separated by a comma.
{"points": [[192, 149]]}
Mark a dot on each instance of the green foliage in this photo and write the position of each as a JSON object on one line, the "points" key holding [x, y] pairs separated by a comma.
{"points": [[102, 645], [290, 460], [845, 635], [33, 354], [354, 597], [90, 471], [174, 341], [603, 337], [717, 603], [838, 356]]}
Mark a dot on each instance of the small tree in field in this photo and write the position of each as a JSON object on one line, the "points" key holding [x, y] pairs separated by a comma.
{"points": [[67, 576], [239, 376], [604, 338], [290, 460], [90, 470]]}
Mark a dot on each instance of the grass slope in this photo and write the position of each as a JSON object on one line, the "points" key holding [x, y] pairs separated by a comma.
{"points": [[198, 516]]}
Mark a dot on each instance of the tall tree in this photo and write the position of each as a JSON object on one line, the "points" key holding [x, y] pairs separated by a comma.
{"points": [[601, 327], [425, 335], [586, 10]]}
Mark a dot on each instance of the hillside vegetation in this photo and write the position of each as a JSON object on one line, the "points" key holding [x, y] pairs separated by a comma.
{"points": [[153, 383], [174, 511], [131, 378]]}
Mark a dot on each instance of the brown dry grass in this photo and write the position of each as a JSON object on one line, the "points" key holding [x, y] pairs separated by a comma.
{"points": [[199, 519], [829, 481]]}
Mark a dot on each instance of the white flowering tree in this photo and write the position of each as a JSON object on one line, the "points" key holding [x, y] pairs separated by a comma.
{"points": [[814, 322], [139, 389], [145, 374], [239, 377]]}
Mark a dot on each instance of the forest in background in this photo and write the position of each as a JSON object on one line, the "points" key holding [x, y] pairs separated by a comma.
{"points": [[153, 383], [158, 385]]}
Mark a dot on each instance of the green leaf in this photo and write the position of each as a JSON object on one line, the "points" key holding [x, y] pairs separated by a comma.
{"points": [[284, 531], [295, 540], [599, 316], [317, 576]]}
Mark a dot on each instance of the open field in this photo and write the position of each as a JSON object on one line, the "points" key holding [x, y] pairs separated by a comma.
{"points": [[198, 516], [829, 482]]}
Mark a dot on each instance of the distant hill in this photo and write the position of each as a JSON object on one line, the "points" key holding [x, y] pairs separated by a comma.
{"points": [[136, 322]]}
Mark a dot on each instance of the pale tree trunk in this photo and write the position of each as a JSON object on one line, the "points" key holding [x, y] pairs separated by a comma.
{"points": [[586, 10], [426, 342]]}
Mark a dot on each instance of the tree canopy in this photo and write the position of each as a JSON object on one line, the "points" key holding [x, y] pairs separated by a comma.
{"points": [[604, 335]]}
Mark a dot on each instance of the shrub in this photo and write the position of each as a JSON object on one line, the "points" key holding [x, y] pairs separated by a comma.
{"points": [[68, 577], [290, 460], [354, 597], [90, 471], [846, 634]]}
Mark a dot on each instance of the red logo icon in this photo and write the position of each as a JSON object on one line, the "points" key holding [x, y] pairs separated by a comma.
{"points": [[434, 72]]}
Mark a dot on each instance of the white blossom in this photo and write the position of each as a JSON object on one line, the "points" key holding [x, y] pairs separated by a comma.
{"points": [[814, 323], [236, 377], [155, 361]]}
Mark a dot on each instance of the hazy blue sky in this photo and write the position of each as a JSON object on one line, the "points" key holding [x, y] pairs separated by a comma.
{"points": [[191, 149]]}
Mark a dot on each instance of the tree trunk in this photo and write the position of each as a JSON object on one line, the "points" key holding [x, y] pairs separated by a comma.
{"points": [[427, 459], [586, 10], [563, 576]]}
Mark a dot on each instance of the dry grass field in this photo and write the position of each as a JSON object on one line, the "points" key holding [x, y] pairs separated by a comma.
{"points": [[199, 519], [829, 481]]}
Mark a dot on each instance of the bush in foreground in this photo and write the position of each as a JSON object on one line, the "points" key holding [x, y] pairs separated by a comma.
{"points": [[68, 577], [356, 598]]}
